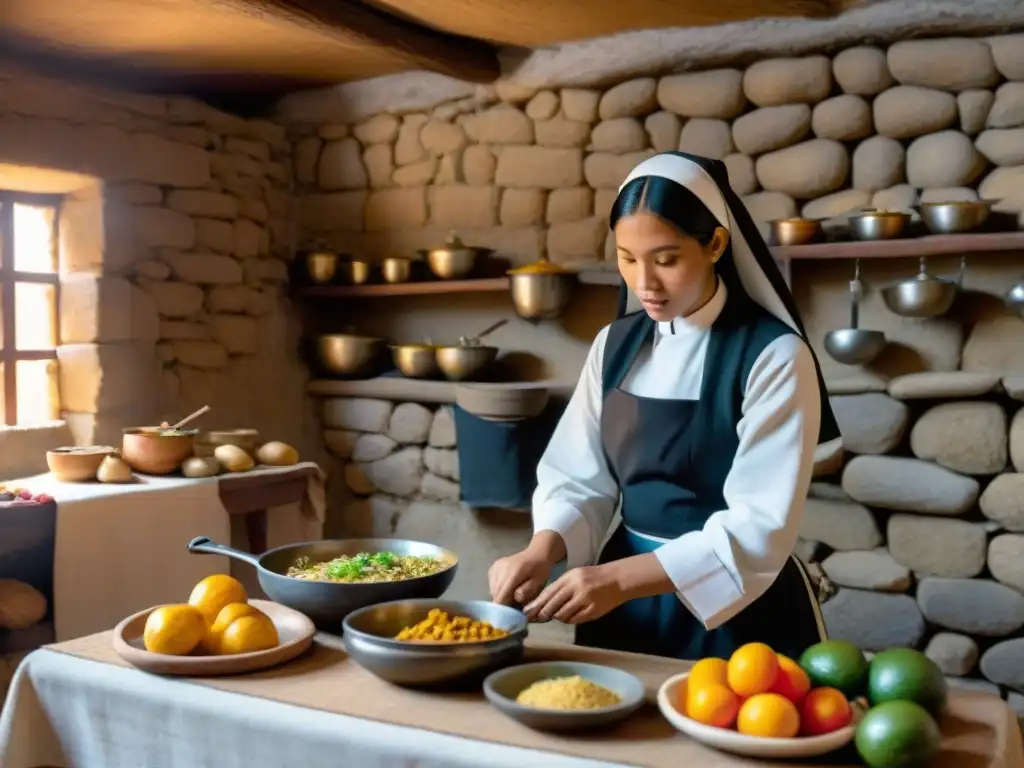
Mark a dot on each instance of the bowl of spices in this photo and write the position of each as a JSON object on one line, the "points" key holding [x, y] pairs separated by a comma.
{"points": [[429, 642], [564, 695]]}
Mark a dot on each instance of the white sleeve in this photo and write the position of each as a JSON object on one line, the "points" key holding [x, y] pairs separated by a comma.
{"points": [[576, 494], [723, 568]]}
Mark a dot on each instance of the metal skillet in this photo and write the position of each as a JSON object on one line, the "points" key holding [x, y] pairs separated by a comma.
{"points": [[327, 603]]}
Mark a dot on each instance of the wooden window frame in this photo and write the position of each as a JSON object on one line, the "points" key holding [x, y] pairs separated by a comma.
{"points": [[9, 277]]}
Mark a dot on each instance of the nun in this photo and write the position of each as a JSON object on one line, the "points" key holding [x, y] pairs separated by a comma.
{"points": [[694, 423]]}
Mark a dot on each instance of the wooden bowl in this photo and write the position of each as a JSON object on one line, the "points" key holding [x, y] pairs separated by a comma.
{"points": [[76, 464], [153, 452], [294, 630]]}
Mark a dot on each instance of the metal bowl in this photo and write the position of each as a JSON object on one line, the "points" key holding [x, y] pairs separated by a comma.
{"points": [[854, 346], [880, 225], [454, 259], [345, 354], [796, 231], [954, 217], [369, 639], [501, 689], [417, 361], [327, 603], [542, 296], [356, 271], [459, 363], [1015, 298], [321, 266], [396, 269], [923, 296]]}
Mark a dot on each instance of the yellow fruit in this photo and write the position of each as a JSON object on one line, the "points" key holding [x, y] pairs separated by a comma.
{"points": [[769, 715], [712, 704], [248, 634], [707, 671], [227, 615], [753, 668], [175, 630], [214, 592]]}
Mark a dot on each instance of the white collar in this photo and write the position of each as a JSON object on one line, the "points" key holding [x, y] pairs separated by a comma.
{"points": [[698, 321]]}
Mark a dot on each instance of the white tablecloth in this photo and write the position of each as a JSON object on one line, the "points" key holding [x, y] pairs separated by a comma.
{"points": [[67, 712]]}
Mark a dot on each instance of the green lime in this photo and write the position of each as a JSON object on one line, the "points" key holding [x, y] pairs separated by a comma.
{"points": [[903, 674], [836, 664], [897, 734]]}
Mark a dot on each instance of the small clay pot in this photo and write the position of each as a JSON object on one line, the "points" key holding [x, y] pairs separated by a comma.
{"points": [[156, 450]]}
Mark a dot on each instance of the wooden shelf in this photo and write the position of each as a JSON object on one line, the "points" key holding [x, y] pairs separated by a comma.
{"points": [[400, 389], [910, 247], [425, 288]]}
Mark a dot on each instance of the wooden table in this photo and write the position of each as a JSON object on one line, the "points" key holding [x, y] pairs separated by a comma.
{"points": [[251, 495]]}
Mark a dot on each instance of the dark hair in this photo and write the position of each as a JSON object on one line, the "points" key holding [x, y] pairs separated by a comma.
{"points": [[667, 200], [679, 207]]}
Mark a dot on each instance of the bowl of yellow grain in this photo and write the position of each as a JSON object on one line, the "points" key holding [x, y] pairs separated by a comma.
{"points": [[564, 695], [428, 642]]}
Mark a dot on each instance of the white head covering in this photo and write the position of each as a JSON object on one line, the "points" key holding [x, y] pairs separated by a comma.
{"points": [[689, 174], [758, 273]]}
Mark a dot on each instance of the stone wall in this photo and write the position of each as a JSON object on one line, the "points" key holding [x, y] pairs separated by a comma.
{"points": [[922, 531], [176, 232], [529, 172]]}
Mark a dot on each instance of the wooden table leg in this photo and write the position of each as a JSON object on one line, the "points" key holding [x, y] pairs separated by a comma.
{"points": [[256, 530]]}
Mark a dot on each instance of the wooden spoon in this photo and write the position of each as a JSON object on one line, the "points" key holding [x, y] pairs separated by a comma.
{"points": [[187, 419]]}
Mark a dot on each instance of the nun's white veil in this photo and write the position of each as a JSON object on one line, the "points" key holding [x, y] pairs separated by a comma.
{"points": [[758, 273]]}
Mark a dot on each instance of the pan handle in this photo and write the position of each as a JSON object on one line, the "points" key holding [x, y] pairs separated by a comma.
{"points": [[204, 545]]}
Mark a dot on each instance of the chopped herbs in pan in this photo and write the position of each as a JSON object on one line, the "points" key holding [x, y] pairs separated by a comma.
{"points": [[367, 567]]}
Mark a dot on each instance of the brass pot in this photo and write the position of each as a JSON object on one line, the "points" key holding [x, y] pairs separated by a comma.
{"points": [[796, 231], [540, 296], [321, 266], [462, 362], [396, 269], [417, 361], [351, 356], [454, 259], [356, 271]]}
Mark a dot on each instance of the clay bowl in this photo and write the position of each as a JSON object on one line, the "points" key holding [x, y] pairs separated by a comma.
{"points": [[157, 451], [77, 464], [294, 630]]}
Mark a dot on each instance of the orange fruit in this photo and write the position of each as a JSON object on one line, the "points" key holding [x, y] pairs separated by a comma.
{"points": [[214, 592], [246, 634], [710, 670], [824, 710], [752, 669], [792, 682], [768, 715], [226, 617], [173, 629], [712, 704]]}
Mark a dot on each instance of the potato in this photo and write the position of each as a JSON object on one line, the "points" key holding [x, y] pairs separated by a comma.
{"points": [[200, 467], [233, 458], [277, 454]]}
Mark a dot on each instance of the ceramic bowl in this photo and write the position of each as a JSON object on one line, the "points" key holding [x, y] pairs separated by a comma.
{"points": [[76, 464], [501, 689], [727, 740]]}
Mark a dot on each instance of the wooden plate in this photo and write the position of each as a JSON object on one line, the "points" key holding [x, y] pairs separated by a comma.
{"points": [[726, 740], [294, 629]]}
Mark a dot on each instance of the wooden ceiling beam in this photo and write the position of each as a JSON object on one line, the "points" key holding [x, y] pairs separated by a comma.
{"points": [[457, 56]]}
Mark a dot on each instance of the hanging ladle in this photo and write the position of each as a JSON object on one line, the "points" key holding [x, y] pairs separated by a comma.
{"points": [[924, 295], [854, 345]]}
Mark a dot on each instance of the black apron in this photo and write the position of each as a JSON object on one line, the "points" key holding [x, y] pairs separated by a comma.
{"points": [[670, 459]]}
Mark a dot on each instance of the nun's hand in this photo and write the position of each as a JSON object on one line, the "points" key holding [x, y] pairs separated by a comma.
{"points": [[579, 595]]}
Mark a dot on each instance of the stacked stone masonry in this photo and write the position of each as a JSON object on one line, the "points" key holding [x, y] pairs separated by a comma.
{"points": [[175, 239], [922, 530], [530, 172]]}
